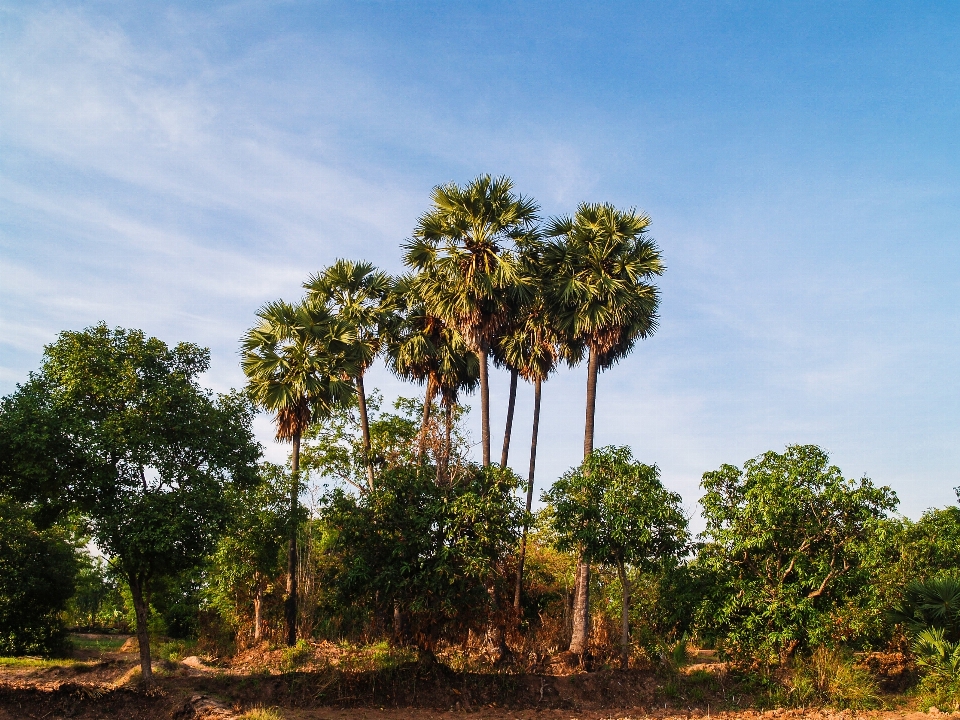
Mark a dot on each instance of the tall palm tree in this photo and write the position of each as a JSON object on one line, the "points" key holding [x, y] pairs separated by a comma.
{"points": [[360, 296], [461, 250], [516, 305], [600, 264], [423, 348], [532, 349], [295, 360]]}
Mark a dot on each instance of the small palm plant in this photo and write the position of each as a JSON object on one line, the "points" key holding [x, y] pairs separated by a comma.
{"points": [[937, 655], [930, 613]]}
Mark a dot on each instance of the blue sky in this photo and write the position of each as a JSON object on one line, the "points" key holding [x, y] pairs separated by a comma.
{"points": [[172, 169]]}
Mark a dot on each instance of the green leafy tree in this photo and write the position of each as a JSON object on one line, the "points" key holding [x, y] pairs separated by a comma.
{"points": [[297, 366], [426, 548], [156, 451], [97, 602], [249, 554], [598, 273], [38, 571], [362, 298], [616, 512], [783, 546], [465, 269], [40, 462]]}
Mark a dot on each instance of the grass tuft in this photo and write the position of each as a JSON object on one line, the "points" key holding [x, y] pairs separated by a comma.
{"points": [[261, 714]]}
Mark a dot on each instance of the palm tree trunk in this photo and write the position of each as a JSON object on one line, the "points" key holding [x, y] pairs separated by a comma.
{"points": [[533, 467], [140, 607], [365, 429], [447, 435], [593, 369], [484, 406], [427, 402], [290, 606], [581, 609], [511, 405], [625, 618]]}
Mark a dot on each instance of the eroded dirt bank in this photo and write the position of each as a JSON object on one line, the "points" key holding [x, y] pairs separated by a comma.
{"points": [[105, 685]]}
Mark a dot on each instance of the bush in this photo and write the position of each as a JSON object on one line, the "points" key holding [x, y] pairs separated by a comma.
{"points": [[420, 550], [783, 551], [38, 572], [830, 677], [296, 655]]}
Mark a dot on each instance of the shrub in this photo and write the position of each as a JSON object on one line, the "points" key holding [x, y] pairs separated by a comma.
{"points": [[296, 655], [37, 577], [830, 677], [783, 550], [421, 551]]}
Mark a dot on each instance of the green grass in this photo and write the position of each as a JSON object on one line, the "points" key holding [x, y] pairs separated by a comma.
{"points": [[103, 643], [261, 714], [35, 662]]}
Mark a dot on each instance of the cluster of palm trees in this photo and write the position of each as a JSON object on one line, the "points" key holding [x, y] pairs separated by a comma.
{"points": [[487, 280]]}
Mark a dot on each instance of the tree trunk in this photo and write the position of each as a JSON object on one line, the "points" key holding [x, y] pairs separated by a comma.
{"points": [[290, 606], [625, 619], [427, 402], [365, 429], [447, 438], [581, 609], [593, 369], [484, 406], [399, 631], [143, 634], [533, 467], [496, 644], [511, 405], [258, 613]]}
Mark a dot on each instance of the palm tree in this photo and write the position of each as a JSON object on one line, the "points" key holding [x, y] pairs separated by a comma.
{"points": [[532, 349], [513, 317], [362, 297], [295, 360], [423, 348], [460, 249], [599, 267]]}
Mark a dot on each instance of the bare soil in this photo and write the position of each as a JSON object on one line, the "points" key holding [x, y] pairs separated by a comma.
{"points": [[338, 684]]}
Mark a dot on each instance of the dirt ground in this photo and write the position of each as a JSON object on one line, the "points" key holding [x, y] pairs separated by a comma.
{"points": [[102, 682]]}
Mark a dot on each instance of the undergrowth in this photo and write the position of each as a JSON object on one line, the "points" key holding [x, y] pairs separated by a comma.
{"points": [[831, 678], [261, 714]]}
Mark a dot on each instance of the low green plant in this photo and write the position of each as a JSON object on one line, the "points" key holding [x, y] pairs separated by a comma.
{"points": [[378, 656], [933, 691], [832, 678], [930, 611], [261, 714], [174, 650], [295, 655], [937, 656], [102, 643], [931, 603]]}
